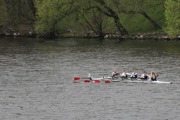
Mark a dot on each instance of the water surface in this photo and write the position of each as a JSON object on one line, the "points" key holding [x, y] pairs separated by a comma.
{"points": [[36, 79]]}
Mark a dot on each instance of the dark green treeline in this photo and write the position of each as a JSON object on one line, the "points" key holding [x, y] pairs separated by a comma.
{"points": [[50, 18]]}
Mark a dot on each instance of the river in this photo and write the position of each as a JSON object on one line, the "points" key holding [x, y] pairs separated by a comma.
{"points": [[36, 79]]}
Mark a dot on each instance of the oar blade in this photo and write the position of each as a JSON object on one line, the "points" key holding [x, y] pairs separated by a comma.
{"points": [[107, 81], [96, 81], [76, 79], [87, 81]]}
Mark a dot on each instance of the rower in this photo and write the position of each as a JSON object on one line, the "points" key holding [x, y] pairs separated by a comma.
{"points": [[153, 76], [145, 76], [134, 75], [124, 74], [115, 74]]}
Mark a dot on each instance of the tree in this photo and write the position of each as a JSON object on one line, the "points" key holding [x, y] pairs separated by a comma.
{"points": [[172, 14], [31, 4], [50, 13], [52, 17], [117, 8], [102, 6], [19, 11], [3, 14], [111, 13], [16, 16], [94, 22], [138, 7]]}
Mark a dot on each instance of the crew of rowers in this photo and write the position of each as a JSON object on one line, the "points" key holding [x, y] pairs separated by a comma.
{"points": [[134, 75]]}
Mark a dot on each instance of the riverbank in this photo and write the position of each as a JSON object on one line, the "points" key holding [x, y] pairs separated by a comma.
{"points": [[133, 36], [144, 36]]}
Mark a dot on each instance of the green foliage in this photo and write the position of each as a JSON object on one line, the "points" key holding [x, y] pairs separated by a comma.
{"points": [[49, 13], [13, 13], [172, 14], [129, 12], [137, 22], [3, 14], [60, 16]]}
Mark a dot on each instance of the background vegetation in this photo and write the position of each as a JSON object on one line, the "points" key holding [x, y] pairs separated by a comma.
{"points": [[172, 13], [50, 18]]}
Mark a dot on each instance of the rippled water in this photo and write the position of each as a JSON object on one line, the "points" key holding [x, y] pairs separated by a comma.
{"points": [[36, 80]]}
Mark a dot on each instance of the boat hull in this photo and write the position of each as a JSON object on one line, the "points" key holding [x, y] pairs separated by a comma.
{"points": [[142, 81], [108, 79]]}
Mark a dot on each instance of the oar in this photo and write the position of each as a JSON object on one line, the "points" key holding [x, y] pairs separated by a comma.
{"points": [[96, 81], [76, 79], [85, 77], [107, 81], [87, 81]]}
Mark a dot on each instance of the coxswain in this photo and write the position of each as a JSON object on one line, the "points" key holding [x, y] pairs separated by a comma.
{"points": [[153, 76]]}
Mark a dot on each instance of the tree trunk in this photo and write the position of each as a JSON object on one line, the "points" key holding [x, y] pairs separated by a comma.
{"points": [[115, 16], [32, 6], [143, 13], [52, 33], [153, 22], [120, 26]]}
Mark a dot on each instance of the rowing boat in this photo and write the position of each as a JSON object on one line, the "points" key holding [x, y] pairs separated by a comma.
{"points": [[108, 79], [125, 80], [138, 80]]}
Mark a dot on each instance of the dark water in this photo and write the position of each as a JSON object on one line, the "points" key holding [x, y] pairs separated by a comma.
{"points": [[36, 80]]}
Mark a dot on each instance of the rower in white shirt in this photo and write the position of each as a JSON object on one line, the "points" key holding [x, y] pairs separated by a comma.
{"points": [[134, 75], [145, 76], [115, 74], [124, 74]]}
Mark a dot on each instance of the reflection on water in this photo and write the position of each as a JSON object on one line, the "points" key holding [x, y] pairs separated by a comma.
{"points": [[36, 79]]}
